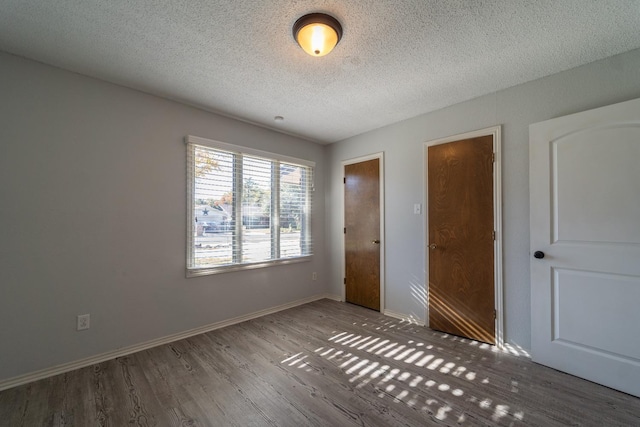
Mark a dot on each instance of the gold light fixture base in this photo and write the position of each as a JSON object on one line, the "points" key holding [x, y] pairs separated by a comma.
{"points": [[317, 33]]}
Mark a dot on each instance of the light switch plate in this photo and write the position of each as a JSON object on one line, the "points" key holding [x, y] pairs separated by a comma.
{"points": [[417, 209]]}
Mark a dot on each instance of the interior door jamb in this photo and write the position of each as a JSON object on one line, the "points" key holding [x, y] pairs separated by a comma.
{"points": [[495, 131], [379, 156]]}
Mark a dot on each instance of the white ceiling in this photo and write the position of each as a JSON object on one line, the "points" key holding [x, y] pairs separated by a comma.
{"points": [[397, 59]]}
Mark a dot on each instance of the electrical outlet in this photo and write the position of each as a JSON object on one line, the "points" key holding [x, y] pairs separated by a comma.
{"points": [[84, 320], [314, 276]]}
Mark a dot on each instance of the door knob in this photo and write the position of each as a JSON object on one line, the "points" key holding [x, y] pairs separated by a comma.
{"points": [[433, 246], [538, 254], [377, 242]]}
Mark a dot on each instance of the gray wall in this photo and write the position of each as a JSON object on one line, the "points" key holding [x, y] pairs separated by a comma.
{"points": [[93, 219], [594, 85]]}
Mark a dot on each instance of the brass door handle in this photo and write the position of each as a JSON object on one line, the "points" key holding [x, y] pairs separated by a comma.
{"points": [[433, 246], [377, 242]]}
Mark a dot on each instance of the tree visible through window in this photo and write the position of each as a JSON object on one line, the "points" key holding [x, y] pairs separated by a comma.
{"points": [[246, 209]]}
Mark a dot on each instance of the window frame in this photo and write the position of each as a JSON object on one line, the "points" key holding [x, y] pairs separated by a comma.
{"points": [[191, 140]]}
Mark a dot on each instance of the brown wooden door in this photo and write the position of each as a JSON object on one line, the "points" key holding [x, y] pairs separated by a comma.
{"points": [[461, 242], [362, 233]]}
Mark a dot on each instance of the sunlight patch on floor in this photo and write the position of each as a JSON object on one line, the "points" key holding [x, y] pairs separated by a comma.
{"points": [[401, 385]]}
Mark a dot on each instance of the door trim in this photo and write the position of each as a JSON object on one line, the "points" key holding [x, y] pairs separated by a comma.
{"points": [[380, 157], [494, 131]]}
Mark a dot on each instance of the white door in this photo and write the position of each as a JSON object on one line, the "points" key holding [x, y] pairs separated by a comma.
{"points": [[585, 219]]}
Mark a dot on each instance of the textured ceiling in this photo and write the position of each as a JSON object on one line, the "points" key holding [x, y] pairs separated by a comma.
{"points": [[396, 60]]}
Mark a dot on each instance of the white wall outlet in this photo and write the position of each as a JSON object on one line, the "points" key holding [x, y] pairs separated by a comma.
{"points": [[84, 321], [417, 209], [314, 276]]}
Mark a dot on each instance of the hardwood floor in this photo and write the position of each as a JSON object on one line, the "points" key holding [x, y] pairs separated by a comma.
{"points": [[320, 364]]}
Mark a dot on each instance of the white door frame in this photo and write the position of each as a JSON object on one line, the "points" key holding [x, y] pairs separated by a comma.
{"points": [[494, 131], [373, 156]]}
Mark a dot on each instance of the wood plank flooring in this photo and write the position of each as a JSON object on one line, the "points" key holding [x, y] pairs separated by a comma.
{"points": [[320, 364]]}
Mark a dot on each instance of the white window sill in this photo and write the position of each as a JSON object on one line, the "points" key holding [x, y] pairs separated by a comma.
{"points": [[206, 271]]}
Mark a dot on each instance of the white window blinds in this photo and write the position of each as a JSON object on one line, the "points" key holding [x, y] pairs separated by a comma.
{"points": [[247, 208]]}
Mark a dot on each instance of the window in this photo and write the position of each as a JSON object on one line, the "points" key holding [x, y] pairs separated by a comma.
{"points": [[246, 208]]}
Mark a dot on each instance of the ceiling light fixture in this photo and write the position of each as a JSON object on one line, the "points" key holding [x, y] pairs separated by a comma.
{"points": [[317, 33]]}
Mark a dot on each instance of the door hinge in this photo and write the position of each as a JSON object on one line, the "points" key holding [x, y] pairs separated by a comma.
{"points": [[495, 314], [344, 180], [493, 157], [345, 281], [493, 234], [345, 230]]}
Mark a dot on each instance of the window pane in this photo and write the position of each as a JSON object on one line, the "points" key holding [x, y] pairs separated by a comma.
{"points": [[256, 209], [213, 198], [244, 209], [293, 197]]}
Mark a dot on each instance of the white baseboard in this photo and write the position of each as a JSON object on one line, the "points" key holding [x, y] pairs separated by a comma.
{"points": [[403, 317], [92, 360], [334, 297]]}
